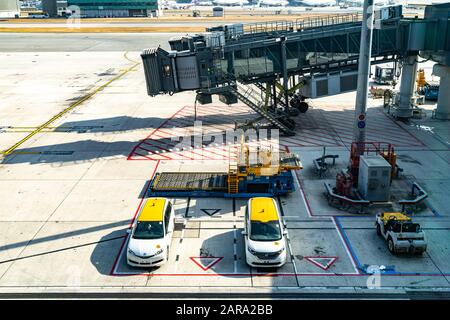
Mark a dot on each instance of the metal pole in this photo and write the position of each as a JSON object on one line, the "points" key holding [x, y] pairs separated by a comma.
{"points": [[364, 71], [285, 74]]}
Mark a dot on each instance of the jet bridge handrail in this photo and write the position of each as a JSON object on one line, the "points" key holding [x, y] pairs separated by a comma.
{"points": [[329, 20], [268, 26], [300, 23]]}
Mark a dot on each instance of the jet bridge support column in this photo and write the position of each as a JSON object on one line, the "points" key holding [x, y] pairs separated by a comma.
{"points": [[407, 82], [443, 105], [285, 73]]}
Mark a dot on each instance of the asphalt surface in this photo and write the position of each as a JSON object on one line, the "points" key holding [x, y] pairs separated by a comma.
{"points": [[56, 42]]}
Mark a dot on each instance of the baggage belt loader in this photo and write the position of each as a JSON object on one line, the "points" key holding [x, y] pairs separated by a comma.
{"points": [[244, 178]]}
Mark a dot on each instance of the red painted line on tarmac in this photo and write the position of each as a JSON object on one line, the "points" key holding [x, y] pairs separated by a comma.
{"points": [[220, 112], [317, 133], [272, 275], [292, 144], [306, 137], [141, 155], [205, 268], [214, 148], [146, 188], [409, 133], [222, 108], [305, 144], [301, 138], [167, 150], [321, 266], [162, 124], [167, 134], [375, 137], [155, 153], [140, 159], [203, 149], [163, 137], [304, 194], [385, 130], [214, 124], [197, 153]]}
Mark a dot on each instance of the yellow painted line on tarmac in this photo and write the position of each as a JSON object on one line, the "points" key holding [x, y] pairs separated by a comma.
{"points": [[131, 60], [25, 152], [157, 29], [68, 109]]}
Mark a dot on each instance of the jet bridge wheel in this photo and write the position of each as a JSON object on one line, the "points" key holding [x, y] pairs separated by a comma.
{"points": [[299, 104], [293, 112], [303, 107]]}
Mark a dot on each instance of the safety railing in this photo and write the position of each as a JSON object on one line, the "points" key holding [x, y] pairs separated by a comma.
{"points": [[315, 22], [268, 26], [301, 23]]}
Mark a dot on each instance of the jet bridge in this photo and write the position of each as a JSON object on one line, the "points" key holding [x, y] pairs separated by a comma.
{"points": [[273, 67]]}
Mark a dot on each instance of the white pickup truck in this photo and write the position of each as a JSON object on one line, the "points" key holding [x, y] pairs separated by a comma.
{"points": [[401, 234]]}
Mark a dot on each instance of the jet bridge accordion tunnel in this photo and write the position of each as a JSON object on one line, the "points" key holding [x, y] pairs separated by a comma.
{"points": [[273, 67]]}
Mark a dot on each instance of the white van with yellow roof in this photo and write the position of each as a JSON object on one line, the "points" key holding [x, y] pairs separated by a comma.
{"points": [[151, 234], [265, 237]]}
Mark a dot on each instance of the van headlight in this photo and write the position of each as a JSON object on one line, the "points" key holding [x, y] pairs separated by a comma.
{"points": [[252, 251], [159, 252], [131, 252], [280, 251]]}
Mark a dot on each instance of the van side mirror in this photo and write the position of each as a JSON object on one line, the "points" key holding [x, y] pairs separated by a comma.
{"points": [[285, 232], [128, 231], [244, 233]]}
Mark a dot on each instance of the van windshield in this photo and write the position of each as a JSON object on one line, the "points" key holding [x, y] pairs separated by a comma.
{"points": [[149, 230], [265, 231]]}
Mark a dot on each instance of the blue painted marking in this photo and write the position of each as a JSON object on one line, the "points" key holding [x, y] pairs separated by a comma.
{"points": [[361, 124], [344, 235], [435, 212]]}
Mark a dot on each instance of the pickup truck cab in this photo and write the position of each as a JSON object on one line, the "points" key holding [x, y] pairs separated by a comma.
{"points": [[401, 234]]}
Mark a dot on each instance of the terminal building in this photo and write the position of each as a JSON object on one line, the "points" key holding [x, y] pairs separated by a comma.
{"points": [[9, 9], [102, 8]]}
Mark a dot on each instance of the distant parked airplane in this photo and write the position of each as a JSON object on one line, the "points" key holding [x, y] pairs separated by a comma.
{"points": [[171, 4], [273, 3], [230, 2], [359, 3], [316, 3]]}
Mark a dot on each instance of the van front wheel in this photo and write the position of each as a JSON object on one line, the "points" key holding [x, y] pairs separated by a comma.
{"points": [[391, 246]]}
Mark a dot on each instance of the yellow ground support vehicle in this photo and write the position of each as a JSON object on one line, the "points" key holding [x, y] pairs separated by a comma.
{"points": [[401, 234]]}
